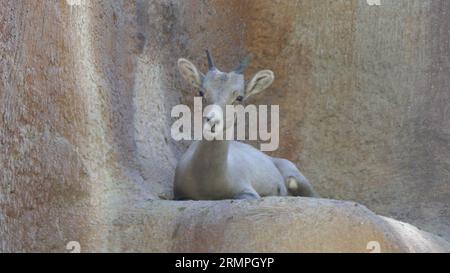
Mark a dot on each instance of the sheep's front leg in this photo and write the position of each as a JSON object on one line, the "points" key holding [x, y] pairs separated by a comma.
{"points": [[248, 194]]}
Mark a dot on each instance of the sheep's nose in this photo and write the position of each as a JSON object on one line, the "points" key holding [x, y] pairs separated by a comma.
{"points": [[210, 116]]}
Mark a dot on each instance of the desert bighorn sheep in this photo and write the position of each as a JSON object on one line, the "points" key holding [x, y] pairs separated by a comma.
{"points": [[225, 169]]}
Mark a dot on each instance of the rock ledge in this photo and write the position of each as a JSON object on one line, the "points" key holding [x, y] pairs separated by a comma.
{"points": [[267, 225]]}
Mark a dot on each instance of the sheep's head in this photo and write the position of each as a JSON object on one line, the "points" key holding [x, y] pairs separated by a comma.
{"points": [[221, 88]]}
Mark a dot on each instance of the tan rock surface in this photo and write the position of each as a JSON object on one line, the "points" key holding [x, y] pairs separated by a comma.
{"points": [[267, 225], [86, 89]]}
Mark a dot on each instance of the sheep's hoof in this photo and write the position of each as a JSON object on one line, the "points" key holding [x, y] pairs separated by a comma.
{"points": [[292, 184]]}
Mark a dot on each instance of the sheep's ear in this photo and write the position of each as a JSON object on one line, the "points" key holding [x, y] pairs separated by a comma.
{"points": [[190, 73], [259, 82]]}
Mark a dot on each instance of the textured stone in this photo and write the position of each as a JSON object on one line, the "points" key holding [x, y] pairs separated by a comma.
{"points": [[364, 99], [86, 89], [268, 225]]}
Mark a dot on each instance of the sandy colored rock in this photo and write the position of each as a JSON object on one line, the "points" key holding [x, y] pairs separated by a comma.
{"points": [[86, 89], [268, 225]]}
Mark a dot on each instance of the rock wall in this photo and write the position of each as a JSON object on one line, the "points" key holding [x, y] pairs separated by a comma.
{"points": [[66, 110], [364, 98], [86, 89]]}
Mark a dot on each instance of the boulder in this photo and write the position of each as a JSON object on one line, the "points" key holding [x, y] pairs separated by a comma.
{"points": [[273, 224]]}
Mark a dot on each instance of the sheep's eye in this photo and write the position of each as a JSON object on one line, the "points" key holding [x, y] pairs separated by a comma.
{"points": [[201, 93], [239, 98]]}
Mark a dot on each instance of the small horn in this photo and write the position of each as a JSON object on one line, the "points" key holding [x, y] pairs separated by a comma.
{"points": [[243, 65], [211, 64]]}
